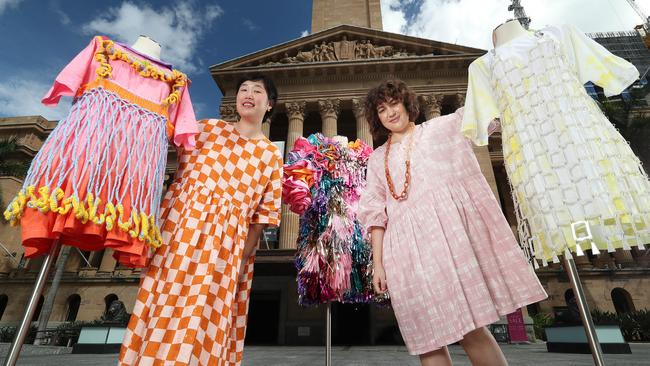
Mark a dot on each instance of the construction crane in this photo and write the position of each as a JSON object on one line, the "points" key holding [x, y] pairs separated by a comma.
{"points": [[520, 14], [642, 29]]}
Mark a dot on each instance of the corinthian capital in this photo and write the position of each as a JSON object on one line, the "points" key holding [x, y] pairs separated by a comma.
{"points": [[228, 112], [460, 100], [432, 104], [329, 107], [358, 107], [433, 101], [295, 109]]}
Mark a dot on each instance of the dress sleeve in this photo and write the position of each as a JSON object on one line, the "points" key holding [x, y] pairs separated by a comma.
{"points": [[480, 103], [73, 76], [372, 206], [268, 211], [593, 62], [184, 121]]}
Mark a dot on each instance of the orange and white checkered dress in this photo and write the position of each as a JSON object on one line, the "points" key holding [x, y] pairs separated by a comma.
{"points": [[192, 304]]}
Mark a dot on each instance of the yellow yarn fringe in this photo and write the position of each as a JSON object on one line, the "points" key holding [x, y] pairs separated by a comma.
{"points": [[139, 225]]}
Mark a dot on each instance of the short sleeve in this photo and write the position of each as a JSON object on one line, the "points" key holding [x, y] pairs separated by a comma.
{"points": [[372, 206], [73, 76], [593, 62], [182, 117], [480, 103], [268, 211]]}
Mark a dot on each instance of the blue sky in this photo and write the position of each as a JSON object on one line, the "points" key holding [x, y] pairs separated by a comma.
{"points": [[39, 37]]}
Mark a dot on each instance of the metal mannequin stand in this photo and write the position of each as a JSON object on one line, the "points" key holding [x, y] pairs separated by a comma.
{"points": [[23, 329]]}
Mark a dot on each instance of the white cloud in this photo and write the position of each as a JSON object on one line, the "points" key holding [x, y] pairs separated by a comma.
{"points": [[393, 15], [63, 16], [249, 24], [213, 11], [177, 28], [470, 22], [7, 4], [22, 97], [304, 33]]}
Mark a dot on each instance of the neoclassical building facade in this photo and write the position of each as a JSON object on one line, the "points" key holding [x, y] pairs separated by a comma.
{"points": [[322, 79]]}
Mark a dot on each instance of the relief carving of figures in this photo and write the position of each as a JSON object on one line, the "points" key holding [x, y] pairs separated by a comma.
{"points": [[287, 59], [342, 50], [345, 50], [360, 50], [307, 56], [317, 53], [327, 52], [384, 51], [370, 50]]}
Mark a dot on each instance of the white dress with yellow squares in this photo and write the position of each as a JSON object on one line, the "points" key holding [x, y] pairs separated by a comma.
{"points": [[575, 181]]}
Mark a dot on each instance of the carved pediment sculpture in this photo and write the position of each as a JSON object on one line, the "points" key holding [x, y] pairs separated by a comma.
{"points": [[341, 50]]}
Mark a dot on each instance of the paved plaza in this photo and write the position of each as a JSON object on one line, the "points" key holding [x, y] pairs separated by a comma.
{"points": [[517, 355]]}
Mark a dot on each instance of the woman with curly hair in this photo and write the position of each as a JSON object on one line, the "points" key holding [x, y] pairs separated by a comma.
{"points": [[442, 248]]}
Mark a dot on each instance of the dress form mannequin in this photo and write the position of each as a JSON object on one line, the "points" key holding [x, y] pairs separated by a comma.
{"points": [[147, 46], [507, 32], [343, 140]]}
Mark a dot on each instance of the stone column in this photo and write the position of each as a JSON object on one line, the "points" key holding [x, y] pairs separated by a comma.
{"points": [[460, 100], [296, 114], [582, 261], [604, 260], [108, 262], [624, 258], [329, 112], [289, 223], [432, 104], [228, 112], [641, 258], [363, 129], [482, 155], [266, 128], [74, 262]]}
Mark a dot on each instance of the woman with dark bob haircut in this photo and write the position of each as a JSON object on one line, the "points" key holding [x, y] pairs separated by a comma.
{"points": [[441, 246], [192, 305]]}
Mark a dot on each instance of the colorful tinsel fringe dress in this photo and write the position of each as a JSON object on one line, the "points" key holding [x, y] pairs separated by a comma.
{"points": [[566, 163], [322, 181], [452, 262], [192, 305], [97, 180]]}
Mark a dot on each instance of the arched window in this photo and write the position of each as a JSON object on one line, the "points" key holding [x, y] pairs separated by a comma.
{"points": [[74, 301], [622, 301], [109, 300], [4, 299], [569, 297]]}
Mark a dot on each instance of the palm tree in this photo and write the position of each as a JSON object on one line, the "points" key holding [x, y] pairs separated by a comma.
{"points": [[10, 167]]}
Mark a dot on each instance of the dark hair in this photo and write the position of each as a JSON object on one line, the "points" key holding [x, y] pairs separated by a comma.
{"points": [[393, 89], [269, 86]]}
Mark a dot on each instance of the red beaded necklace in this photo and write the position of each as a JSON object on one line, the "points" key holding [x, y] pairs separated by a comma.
{"points": [[407, 173]]}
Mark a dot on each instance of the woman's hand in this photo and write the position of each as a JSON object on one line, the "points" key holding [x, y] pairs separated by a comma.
{"points": [[379, 280]]}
